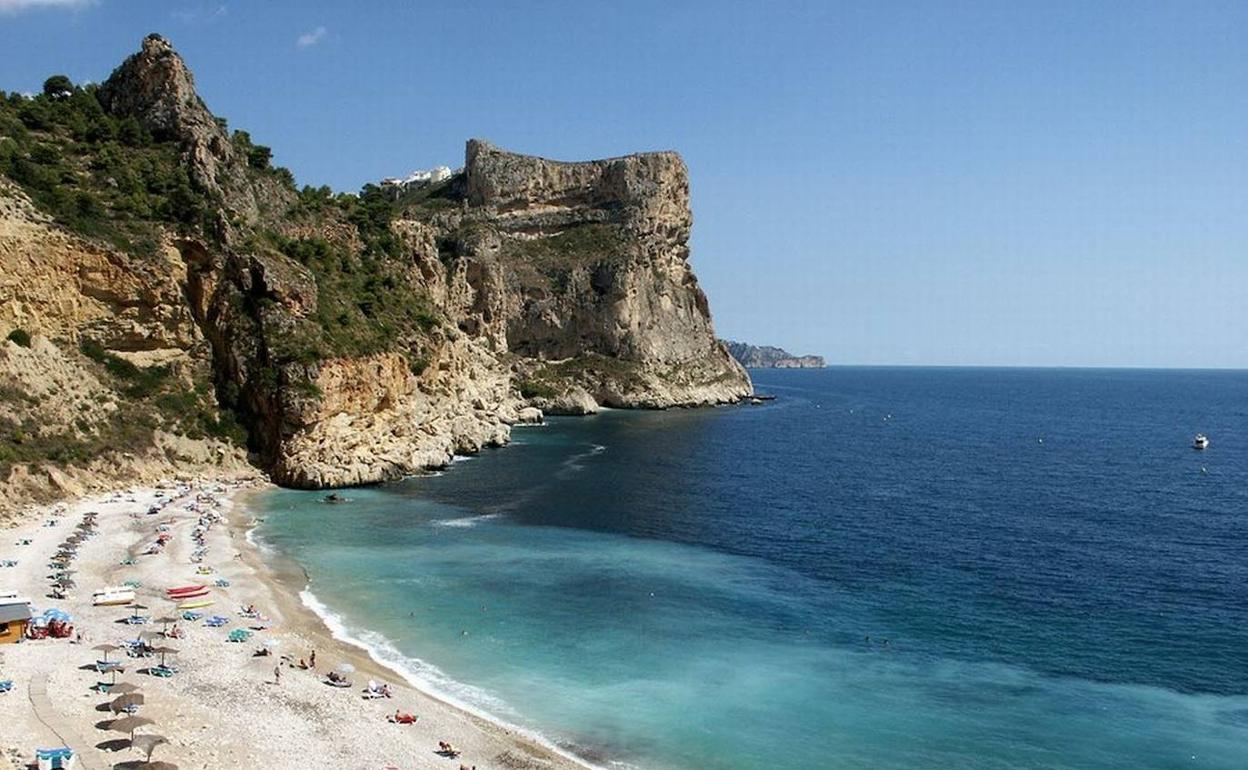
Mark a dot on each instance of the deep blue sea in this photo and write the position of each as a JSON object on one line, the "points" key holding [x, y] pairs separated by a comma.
{"points": [[884, 568]]}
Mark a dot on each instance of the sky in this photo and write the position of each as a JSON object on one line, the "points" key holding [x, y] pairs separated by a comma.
{"points": [[948, 183]]}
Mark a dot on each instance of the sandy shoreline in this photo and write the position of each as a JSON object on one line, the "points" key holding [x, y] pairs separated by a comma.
{"points": [[223, 707]]}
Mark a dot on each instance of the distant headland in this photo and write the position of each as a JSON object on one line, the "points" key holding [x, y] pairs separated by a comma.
{"points": [[769, 357]]}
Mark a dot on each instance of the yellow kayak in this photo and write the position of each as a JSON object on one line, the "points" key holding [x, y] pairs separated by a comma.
{"points": [[195, 604]]}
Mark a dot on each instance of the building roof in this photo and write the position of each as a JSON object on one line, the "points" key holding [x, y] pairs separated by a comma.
{"points": [[12, 612]]}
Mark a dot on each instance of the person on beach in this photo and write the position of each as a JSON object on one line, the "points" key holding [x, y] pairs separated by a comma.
{"points": [[277, 674], [312, 660]]}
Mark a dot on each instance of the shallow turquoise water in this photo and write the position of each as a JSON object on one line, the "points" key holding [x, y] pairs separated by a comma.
{"points": [[884, 569]]}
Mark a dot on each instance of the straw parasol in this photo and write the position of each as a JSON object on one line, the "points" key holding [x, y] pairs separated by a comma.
{"points": [[106, 649], [165, 650], [129, 724], [148, 744], [114, 671], [158, 766], [165, 621], [124, 702], [124, 688]]}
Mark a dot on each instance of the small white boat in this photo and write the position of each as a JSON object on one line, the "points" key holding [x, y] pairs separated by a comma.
{"points": [[1200, 442], [112, 595]]}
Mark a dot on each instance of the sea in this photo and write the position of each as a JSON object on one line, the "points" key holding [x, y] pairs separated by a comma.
{"points": [[881, 568]]}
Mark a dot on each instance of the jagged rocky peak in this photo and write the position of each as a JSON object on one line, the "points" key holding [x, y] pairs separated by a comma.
{"points": [[155, 87]]}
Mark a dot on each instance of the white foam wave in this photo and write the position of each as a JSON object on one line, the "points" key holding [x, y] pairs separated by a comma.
{"points": [[467, 521], [424, 676], [256, 542]]}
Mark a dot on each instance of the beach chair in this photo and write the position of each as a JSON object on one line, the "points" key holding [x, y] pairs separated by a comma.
{"points": [[222, 583], [133, 584], [216, 621], [192, 616], [61, 758], [163, 672], [6, 685], [238, 635], [55, 759]]}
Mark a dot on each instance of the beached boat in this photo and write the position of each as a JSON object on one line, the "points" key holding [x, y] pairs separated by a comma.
{"points": [[185, 597], [112, 595], [1200, 442], [182, 590], [196, 604]]}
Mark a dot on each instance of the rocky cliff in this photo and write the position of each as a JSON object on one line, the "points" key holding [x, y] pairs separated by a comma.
{"points": [[176, 274], [769, 357]]}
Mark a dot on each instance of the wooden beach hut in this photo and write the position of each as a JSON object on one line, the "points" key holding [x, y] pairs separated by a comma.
{"points": [[14, 618]]}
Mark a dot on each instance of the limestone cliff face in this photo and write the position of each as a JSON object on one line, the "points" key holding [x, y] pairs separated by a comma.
{"points": [[361, 344], [595, 261]]}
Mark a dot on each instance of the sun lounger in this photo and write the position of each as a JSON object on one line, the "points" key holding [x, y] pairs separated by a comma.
{"points": [[61, 758], [164, 672], [222, 583], [6, 685], [192, 616], [238, 635]]}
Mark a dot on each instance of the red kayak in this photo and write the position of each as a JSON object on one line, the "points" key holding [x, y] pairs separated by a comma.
{"points": [[183, 590], [195, 595]]}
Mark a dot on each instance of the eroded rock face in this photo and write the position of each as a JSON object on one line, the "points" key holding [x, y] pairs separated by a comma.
{"points": [[596, 260], [557, 287]]}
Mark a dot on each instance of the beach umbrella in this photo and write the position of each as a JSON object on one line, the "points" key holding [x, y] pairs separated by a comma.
{"points": [[148, 744], [136, 606], [129, 724], [114, 669], [164, 650], [125, 688], [165, 621], [158, 766], [124, 702], [106, 649]]}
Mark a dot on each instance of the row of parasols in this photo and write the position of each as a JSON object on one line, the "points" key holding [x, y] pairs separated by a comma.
{"points": [[127, 698]]}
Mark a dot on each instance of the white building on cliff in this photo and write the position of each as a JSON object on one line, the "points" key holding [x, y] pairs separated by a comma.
{"points": [[416, 180]]}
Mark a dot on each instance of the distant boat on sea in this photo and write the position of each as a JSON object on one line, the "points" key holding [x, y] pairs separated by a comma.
{"points": [[1200, 442]]}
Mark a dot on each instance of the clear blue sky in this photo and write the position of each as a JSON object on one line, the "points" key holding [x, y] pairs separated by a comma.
{"points": [[1010, 183]]}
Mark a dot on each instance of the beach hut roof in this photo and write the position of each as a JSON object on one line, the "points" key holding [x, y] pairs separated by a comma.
{"points": [[14, 612]]}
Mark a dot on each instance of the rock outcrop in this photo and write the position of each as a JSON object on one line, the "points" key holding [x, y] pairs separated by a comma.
{"points": [[599, 289], [769, 357], [358, 339]]}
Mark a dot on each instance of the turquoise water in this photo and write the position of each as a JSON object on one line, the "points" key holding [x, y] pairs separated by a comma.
{"points": [[883, 569]]}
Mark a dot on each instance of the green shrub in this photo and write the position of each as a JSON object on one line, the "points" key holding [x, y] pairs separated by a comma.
{"points": [[536, 389], [20, 337]]}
